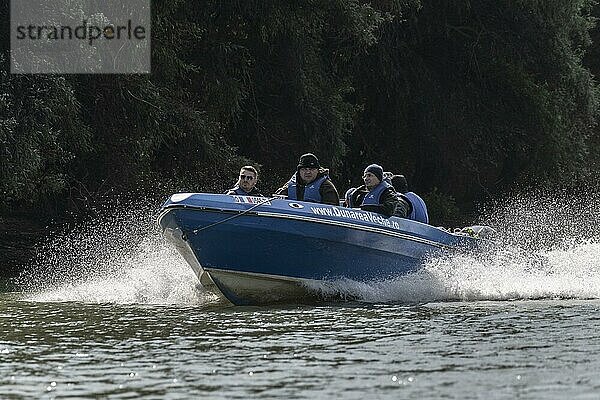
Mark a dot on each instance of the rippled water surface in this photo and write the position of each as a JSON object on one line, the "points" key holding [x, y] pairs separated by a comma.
{"points": [[111, 311], [517, 349]]}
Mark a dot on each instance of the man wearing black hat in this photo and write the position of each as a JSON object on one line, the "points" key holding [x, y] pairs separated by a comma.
{"points": [[310, 183], [377, 195]]}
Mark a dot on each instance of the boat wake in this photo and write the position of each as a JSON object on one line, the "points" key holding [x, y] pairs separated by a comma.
{"points": [[543, 249], [499, 274], [547, 247]]}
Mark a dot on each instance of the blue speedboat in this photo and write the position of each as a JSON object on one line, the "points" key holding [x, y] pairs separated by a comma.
{"points": [[257, 250]]}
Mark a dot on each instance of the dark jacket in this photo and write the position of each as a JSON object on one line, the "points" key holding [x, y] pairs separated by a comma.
{"points": [[389, 203], [254, 192], [328, 192], [404, 209]]}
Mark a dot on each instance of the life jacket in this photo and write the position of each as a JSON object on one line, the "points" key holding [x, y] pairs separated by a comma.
{"points": [[373, 196], [419, 209], [311, 191]]}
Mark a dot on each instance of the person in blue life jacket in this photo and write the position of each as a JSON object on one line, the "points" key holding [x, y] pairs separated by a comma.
{"points": [[418, 208], [246, 184], [377, 195], [310, 183], [387, 176]]}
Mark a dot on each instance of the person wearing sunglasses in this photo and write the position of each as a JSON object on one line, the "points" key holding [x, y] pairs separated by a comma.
{"points": [[310, 183], [246, 184]]}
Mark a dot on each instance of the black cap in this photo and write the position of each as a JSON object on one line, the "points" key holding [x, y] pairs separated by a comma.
{"points": [[308, 160], [399, 183], [375, 170]]}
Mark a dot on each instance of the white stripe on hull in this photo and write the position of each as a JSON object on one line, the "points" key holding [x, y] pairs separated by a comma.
{"points": [[353, 226]]}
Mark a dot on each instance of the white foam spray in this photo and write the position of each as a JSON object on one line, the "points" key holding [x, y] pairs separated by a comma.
{"points": [[547, 246], [118, 258]]}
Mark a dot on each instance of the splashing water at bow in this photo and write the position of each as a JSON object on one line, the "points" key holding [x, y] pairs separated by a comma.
{"points": [[119, 258]]}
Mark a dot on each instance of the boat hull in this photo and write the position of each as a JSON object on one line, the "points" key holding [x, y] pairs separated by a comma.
{"points": [[245, 288], [279, 251]]}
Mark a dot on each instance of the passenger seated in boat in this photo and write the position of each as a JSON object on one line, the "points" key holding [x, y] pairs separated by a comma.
{"points": [[246, 184], [377, 195], [311, 183], [418, 210]]}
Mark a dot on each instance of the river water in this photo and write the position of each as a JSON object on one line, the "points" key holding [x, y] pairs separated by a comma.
{"points": [[111, 311]]}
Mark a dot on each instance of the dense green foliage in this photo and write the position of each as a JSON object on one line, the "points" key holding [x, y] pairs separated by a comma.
{"points": [[467, 99], [484, 95]]}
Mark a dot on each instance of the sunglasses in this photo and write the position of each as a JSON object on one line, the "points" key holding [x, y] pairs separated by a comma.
{"points": [[246, 177]]}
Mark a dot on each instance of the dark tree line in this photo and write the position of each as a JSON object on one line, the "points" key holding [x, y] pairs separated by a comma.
{"points": [[467, 99]]}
